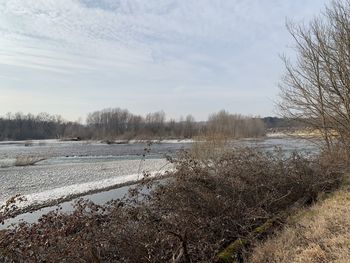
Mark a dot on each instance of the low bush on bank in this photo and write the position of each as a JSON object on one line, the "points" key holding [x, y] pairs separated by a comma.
{"points": [[28, 160], [202, 207]]}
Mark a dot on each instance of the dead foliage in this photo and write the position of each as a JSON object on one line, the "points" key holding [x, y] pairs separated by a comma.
{"points": [[317, 234], [28, 160]]}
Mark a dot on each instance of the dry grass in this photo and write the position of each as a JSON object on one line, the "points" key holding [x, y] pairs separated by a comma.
{"points": [[27, 160], [209, 147], [318, 234]]}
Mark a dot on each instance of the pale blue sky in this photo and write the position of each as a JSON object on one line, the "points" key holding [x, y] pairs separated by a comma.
{"points": [[72, 57]]}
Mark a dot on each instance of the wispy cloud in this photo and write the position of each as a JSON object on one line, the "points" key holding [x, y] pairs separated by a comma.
{"points": [[125, 51]]}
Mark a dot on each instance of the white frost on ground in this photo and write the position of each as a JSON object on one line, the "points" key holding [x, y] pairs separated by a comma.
{"points": [[46, 178], [79, 189], [75, 189]]}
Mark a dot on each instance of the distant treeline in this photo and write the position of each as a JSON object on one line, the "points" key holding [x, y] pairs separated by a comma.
{"points": [[283, 123], [119, 123], [112, 123], [20, 126]]}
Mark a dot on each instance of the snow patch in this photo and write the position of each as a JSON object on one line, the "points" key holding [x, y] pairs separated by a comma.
{"points": [[78, 189]]}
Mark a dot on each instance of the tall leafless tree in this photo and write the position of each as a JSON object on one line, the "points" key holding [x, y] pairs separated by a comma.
{"points": [[316, 85]]}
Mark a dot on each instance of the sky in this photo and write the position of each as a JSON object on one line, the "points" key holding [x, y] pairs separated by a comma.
{"points": [[72, 57]]}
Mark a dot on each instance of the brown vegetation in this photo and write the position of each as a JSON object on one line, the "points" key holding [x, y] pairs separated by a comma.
{"points": [[200, 209], [9, 208], [27, 160], [317, 234], [234, 125]]}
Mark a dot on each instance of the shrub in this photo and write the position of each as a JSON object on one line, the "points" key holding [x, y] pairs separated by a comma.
{"points": [[28, 143], [27, 160]]}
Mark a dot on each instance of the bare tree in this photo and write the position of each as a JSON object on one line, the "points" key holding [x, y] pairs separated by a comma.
{"points": [[234, 125], [189, 126], [316, 86]]}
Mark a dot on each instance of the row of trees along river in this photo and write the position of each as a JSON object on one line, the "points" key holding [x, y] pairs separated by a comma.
{"points": [[119, 123]]}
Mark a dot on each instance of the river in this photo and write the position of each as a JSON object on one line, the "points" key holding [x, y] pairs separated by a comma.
{"points": [[80, 168]]}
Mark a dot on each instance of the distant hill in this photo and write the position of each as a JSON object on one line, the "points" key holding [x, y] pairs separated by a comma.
{"points": [[282, 123]]}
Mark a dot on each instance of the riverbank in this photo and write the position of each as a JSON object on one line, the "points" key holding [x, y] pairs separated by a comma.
{"points": [[192, 217], [32, 207], [52, 181], [320, 233], [295, 133]]}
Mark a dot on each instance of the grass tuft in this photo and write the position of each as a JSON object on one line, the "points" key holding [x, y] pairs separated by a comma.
{"points": [[28, 160]]}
